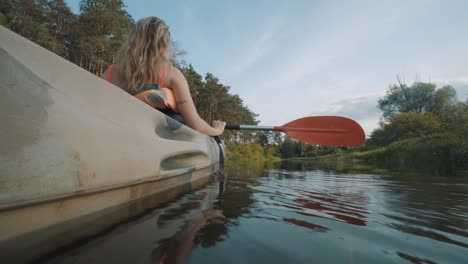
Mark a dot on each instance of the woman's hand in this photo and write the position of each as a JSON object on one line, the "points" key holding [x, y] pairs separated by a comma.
{"points": [[219, 126]]}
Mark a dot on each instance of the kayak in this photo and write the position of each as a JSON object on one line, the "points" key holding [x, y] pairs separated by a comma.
{"points": [[72, 144]]}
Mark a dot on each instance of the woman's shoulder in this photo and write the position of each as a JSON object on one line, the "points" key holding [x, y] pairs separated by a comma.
{"points": [[172, 70], [174, 74]]}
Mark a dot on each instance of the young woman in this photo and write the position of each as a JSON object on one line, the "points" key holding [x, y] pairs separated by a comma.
{"points": [[143, 69]]}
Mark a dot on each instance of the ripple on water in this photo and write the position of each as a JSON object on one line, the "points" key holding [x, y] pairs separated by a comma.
{"points": [[305, 215]]}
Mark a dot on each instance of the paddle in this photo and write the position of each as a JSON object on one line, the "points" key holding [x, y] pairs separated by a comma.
{"points": [[320, 130]]}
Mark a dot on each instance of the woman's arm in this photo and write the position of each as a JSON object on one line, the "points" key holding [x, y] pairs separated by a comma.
{"points": [[179, 85]]}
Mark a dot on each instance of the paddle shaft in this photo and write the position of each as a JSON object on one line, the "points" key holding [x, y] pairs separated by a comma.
{"points": [[283, 129], [249, 127]]}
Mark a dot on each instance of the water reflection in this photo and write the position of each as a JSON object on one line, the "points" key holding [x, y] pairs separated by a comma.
{"points": [[305, 224], [297, 213], [178, 251], [162, 235], [343, 207], [434, 207]]}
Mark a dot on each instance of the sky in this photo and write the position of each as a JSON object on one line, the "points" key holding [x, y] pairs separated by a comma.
{"points": [[290, 59]]}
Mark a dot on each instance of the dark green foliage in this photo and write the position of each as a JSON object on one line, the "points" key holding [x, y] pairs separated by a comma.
{"points": [[292, 148], [213, 100], [61, 25], [445, 100], [419, 98], [48, 23], [103, 25], [27, 18], [89, 39], [406, 125]]}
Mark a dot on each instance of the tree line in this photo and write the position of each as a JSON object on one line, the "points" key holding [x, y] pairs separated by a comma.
{"points": [[89, 39]]}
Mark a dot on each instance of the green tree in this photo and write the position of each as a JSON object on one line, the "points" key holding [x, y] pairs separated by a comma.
{"points": [[287, 149], [456, 121], [445, 103], [417, 110], [61, 25], [406, 125], [27, 18], [420, 98], [213, 100], [104, 25], [262, 139]]}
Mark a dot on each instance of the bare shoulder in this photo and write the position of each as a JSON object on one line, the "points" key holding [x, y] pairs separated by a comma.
{"points": [[174, 73], [176, 77]]}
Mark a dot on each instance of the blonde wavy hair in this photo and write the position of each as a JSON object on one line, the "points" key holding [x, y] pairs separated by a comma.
{"points": [[147, 49]]}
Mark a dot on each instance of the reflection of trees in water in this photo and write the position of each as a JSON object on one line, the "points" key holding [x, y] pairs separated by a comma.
{"points": [[422, 205], [346, 166], [234, 200], [340, 167]]}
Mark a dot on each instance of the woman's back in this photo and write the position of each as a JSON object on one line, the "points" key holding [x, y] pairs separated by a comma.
{"points": [[113, 74], [142, 67]]}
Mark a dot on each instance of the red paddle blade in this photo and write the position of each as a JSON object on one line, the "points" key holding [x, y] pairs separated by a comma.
{"points": [[325, 130]]}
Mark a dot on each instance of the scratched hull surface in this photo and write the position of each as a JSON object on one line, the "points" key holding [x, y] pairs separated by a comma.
{"points": [[72, 144]]}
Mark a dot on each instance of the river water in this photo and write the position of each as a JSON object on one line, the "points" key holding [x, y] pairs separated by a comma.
{"points": [[296, 212]]}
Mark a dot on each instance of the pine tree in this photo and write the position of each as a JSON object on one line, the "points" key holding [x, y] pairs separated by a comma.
{"points": [[61, 25], [103, 25]]}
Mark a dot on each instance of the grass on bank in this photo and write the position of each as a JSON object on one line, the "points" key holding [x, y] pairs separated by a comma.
{"points": [[435, 151]]}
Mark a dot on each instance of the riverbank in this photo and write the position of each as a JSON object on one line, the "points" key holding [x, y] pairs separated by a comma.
{"points": [[250, 153], [442, 152]]}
